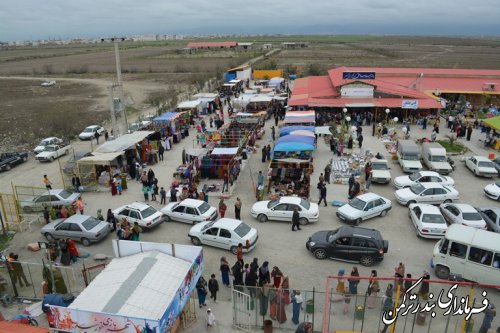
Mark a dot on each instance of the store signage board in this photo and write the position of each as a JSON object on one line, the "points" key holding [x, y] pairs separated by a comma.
{"points": [[358, 75], [409, 104]]}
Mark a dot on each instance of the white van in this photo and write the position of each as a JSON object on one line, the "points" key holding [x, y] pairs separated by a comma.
{"points": [[434, 156], [471, 253], [409, 156]]}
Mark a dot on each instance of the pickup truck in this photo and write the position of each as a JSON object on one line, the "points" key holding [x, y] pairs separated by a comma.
{"points": [[8, 160], [52, 152]]}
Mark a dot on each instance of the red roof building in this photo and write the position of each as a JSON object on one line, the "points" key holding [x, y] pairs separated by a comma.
{"points": [[410, 88], [212, 45]]}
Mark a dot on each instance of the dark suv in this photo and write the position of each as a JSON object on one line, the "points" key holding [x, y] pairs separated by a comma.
{"points": [[349, 243]]}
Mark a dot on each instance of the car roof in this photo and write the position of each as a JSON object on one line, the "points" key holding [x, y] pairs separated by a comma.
{"points": [[481, 158], [368, 196], [53, 191], [50, 138], [92, 126], [347, 230], [138, 205], [428, 173], [295, 200], [192, 202], [227, 223], [431, 185], [428, 209], [466, 208], [375, 161], [77, 218]]}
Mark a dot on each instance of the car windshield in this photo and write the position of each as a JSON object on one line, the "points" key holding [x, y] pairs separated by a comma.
{"points": [[88, 130], [203, 208], [433, 218], [65, 194], [44, 143], [90, 223], [147, 212], [410, 157], [486, 164], [379, 166], [357, 203], [472, 216], [208, 225], [415, 176], [331, 235], [438, 158], [272, 203], [497, 184], [242, 229], [304, 203], [417, 188], [51, 148]]}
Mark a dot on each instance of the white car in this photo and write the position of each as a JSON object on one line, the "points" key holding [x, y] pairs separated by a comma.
{"points": [[422, 177], [190, 211], [90, 131], [481, 166], [47, 142], [48, 83], [380, 171], [282, 210], [492, 191], [431, 193], [364, 207], [225, 233], [463, 214], [428, 220], [144, 214], [54, 197]]}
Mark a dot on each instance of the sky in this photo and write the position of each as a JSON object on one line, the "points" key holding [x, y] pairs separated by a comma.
{"points": [[35, 19]]}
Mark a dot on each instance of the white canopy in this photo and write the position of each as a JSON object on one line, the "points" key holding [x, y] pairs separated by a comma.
{"points": [[196, 151], [261, 98], [100, 158], [123, 142], [189, 104], [204, 95], [225, 151], [323, 130]]}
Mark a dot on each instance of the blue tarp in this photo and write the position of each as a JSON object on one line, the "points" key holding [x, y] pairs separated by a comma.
{"points": [[166, 116], [296, 138], [286, 130], [293, 146]]}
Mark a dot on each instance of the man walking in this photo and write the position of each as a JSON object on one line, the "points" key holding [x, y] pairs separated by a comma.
{"points": [[264, 154], [80, 205], [161, 150], [237, 209], [322, 194], [97, 135], [163, 196], [47, 182], [273, 134], [295, 219], [328, 171]]}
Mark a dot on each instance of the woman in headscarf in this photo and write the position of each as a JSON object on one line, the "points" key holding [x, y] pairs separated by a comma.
{"points": [[340, 282], [136, 230], [224, 269], [277, 276], [73, 251], [353, 282], [297, 304], [373, 289], [264, 275], [110, 218], [201, 290]]}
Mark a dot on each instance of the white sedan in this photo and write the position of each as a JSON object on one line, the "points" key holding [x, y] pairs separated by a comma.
{"points": [[463, 214], [90, 131], [428, 220], [422, 177], [282, 210], [225, 233], [190, 211], [481, 166], [380, 171], [431, 193], [364, 207], [146, 216], [492, 191], [54, 197]]}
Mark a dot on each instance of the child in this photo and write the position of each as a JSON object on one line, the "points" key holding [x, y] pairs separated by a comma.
{"points": [[213, 287], [210, 319], [347, 300], [119, 187]]}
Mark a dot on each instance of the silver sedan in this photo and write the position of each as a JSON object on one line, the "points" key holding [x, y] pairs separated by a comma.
{"points": [[82, 228]]}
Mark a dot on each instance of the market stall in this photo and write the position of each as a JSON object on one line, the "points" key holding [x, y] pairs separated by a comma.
{"points": [[219, 162], [300, 117], [289, 129], [144, 289], [205, 99], [173, 125], [298, 150], [259, 103], [296, 138], [277, 83], [290, 176], [193, 109]]}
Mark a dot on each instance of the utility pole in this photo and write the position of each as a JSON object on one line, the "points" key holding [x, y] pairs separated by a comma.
{"points": [[114, 129], [119, 80]]}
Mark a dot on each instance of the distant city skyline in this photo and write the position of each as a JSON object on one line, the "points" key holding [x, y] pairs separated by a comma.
{"points": [[35, 20]]}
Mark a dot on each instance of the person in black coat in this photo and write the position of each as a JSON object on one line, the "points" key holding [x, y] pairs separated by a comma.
{"points": [[349, 143], [296, 218], [322, 193], [161, 150], [351, 183], [360, 140], [251, 282]]}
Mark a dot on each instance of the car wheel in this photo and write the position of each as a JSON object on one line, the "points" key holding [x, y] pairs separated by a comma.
{"points": [[262, 218], [49, 237], [447, 201], [320, 254], [233, 250], [442, 272], [358, 221], [303, 221], [383, 213], [52, 158], [410, 202], [366, 261], [196, 241], [167, 218], [85, 242], [25, 158], [8, 167], [28, 209]]}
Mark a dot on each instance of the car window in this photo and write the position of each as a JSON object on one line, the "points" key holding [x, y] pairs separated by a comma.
{"points": [[242, 229], [124, 212], [291, 207], [90, 223], [414, 176], [179, 209], [191, 210], [379, 202], [439, 191], [444, 246], [429, 191], [491, 214], [436, 179], [453, 210], [417, 211], [63, 226], [42, 198], [74, 227], [357, 203], [54, 198], [370, 205], [424, 179], [433, 218], [224, 233], [331, 235], [472, 216], [485, 164], [458, 250], [480, 256], [212, 231], [496, 261], [203, 208], [272, 203], [343, 241], [417, 188], [304, 203], [135, 215], [281, 207], [64, 194], [148, 212]]}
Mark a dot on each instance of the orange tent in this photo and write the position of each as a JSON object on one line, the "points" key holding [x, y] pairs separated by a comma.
{"points": [[8, 327]]}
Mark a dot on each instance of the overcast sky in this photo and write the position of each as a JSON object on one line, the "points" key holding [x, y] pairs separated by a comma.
{"points": [[35, 19]]}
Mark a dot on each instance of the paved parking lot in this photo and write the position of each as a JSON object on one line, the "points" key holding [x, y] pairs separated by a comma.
{"points": [[277, 243]]}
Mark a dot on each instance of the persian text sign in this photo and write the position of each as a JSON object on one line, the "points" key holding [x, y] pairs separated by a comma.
{"points": [[409, 104], [358, 75]]}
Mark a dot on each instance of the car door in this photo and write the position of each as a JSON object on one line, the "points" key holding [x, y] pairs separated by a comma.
{"points": [[379, 206], [427, 196], [226, 239], [360, 247], [289, 212], [134, 216], [471, 163], [369, 210], [339, 249], [178, 213], [62, 230], [191, 214], [123, 214], [56, 201], [451, 213], [75, 232], [279, 212], [415, 215], [440, 195], [209, 236]]}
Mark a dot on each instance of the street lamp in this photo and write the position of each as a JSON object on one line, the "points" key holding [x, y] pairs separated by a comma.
{"points": [[387, 111]]}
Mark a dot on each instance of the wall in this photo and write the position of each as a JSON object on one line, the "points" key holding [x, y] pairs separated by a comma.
{"points": [[266, 74]]}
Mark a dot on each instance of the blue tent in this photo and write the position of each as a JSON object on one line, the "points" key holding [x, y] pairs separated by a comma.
{"points": [[296, 138], [293, 146], [286, 130], [166, 116]]}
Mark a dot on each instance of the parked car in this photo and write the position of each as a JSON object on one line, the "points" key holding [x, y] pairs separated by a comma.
{"points": [[349, 243], [496, 162], [52, 152], [462, 214], [409, 156], [492, 218], [428, 220], [190, 211], [380, 171], [139, 126], [492, 191], [8, 160], [431, 193], [434, 157], [82, 228], [48, 83], [481, 166], [90, 131], [364, 207], [422, 177], [224, 233], [47, 142], [54, 197], [282, 210], [147, 216]]}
